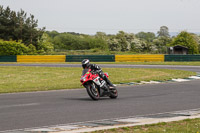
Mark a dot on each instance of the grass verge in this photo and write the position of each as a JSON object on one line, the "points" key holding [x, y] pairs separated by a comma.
{"points": [[184, 126], [26, 79]]}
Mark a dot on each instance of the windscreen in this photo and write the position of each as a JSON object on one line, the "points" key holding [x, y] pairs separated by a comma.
{"points": [[85, 71]]}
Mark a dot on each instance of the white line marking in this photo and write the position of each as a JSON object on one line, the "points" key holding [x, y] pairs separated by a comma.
{"points": [[194, 77], [115, 119], [180, 80]]}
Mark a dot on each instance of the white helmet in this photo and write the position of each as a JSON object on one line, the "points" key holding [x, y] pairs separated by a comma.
{"points": [[85, 63]]}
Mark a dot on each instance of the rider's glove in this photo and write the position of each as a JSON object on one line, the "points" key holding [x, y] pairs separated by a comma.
{"points": [[98, 71]]}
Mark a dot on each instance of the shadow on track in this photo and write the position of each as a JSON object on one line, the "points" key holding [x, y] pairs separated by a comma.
{"points": [[88, 99]]}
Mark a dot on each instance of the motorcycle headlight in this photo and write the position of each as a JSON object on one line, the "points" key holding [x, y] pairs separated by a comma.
{"points": [[83, 78]]}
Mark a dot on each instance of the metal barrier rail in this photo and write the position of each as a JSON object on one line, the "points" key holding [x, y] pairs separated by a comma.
{"points": [[98, 58]]}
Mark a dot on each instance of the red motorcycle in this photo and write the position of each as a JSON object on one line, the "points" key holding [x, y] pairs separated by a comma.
{"points": [[97, 87]]}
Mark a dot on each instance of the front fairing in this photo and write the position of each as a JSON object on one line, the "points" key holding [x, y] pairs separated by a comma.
{"points": [[87, 76], [85, 71]]}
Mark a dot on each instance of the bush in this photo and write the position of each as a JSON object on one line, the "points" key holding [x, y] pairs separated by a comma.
{"points": [[186, 39], [13, 48]]}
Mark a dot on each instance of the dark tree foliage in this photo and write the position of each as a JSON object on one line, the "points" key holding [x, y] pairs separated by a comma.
{"points": [[147, 39], [164, 31], [74, 41], [17, 26], [146, 36]]}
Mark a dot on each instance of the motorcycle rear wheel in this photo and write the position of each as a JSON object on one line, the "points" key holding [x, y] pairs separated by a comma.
{"points": [[113, 94], [92, 91]]}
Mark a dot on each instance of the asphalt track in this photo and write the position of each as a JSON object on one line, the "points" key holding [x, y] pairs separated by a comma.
{"points": [[188, 68], [37, 109]]}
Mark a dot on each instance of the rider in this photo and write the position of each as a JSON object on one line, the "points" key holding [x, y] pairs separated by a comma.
{"points": [[86, 65]]}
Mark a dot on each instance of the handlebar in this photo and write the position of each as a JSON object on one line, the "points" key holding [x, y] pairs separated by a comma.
{"points": [[96, 72]]}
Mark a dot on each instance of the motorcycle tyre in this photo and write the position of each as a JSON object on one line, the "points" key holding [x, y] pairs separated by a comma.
{"points": [[113, 95], [90, 93]]}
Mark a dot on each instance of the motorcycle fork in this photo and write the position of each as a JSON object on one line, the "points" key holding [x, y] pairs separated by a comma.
{"points": [[96, 87]]}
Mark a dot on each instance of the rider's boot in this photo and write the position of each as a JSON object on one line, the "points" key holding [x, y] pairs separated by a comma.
{"points": [[111, 86]]}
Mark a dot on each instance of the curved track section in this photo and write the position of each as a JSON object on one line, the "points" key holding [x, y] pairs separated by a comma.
{"points": [[37, 109], [188, 68]]}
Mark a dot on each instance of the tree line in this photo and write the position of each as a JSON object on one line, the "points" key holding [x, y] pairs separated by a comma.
{"points": [[142, 42], [19, 31], [19, 34]]}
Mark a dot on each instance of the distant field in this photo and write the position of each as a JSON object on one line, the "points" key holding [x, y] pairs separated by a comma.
{"points": [[25, 79]]}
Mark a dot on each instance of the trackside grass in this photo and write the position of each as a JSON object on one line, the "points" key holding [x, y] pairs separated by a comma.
{"points": [[185, 126], [26, 79]]}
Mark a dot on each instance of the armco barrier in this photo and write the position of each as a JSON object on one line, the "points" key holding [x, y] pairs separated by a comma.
{"points": [[8, 58], [139, 58], [98, 58], [182, 57], [41, 58], [94, 58]]}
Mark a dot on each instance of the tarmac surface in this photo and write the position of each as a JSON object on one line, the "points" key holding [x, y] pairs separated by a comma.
{"points": [[188, 68], [37, 109]]}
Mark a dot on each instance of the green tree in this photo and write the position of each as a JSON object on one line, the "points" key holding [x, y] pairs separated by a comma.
{"points": [[138, 45], [17, 26], [13, 48], [130, 39], [32, 50], [197, 38], [113, 44], [52, 34], [164, 31], [45, 46], [101, 35], [97, 43], [70, 41], [66, 41], [6, 31], [186, 39], [125, 40], [148, 38], [122, 40], [161, 44]]}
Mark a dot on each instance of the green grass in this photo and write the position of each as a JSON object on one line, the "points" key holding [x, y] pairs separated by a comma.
{"points": [[25, 79], [184, 126]]}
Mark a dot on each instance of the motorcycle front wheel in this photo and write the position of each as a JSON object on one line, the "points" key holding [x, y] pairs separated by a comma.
{"points": [[92, 91]]}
